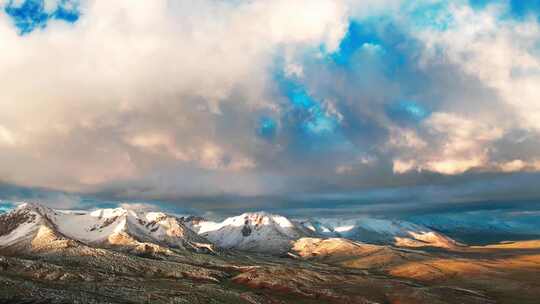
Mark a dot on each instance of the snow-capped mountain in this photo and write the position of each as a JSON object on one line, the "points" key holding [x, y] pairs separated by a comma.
{"points": [[34, 226], [29, 228], [257, 232], [27, 224], [263, 232], [380, 231]]}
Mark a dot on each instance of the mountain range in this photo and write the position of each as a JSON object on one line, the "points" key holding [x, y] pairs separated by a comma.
{"points": [[134, 256], [261, 232], [264, 232]]}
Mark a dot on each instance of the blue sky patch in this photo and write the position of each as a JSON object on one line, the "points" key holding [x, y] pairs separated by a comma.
{"points": [[313, 118], [518, 9], [68, 11], [406, 111], [32, 14], [305, 118], [357, 35], [372, 41], [301, 99], [320, 124], [267, 127], [432, 16]]}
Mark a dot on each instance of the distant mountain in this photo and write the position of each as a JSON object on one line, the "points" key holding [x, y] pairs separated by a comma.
{"points": [[380, 231], [485, 227], [263, 232], [256, 232], [32, 226]]}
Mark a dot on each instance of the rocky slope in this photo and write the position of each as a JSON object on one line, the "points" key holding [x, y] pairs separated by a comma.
{"points": [[32, 226]]}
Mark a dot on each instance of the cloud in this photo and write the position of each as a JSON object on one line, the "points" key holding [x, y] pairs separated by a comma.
{"points": [[501, 53], [14, 194], [129, 88], [138, 206], [461, 145], [175, 100]]}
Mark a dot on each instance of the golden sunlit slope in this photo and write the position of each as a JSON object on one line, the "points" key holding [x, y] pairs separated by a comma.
{"points": [[533, 244], [508, 273]]}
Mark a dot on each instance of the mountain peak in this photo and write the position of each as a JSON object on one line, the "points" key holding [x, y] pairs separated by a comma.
{"points": [[109, 212], [252, 231], [29, 206], [34, 207], [261, 215], [103, 227], [255, 215]]}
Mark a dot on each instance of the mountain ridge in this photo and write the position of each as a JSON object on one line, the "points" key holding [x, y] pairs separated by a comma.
{"points": [[42, 260], [118, 227], [261, 232]]}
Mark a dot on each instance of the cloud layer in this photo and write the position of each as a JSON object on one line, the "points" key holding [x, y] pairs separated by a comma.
{"points": [[172, 100]]}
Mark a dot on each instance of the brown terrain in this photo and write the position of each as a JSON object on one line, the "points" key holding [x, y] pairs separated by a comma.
{"points": [[322, 271], [44, 266], [503, 273]]}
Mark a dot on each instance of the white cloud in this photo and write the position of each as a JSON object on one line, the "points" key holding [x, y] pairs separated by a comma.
{"points": [[403, 166], [512, 166], [7, 137], [138, 206], [501, 52], [518, 165], [405, 138], [96, 89], [494, 53], [457, 144], [163, 97]]}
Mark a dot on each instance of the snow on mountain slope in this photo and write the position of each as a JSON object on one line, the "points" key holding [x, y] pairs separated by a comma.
{"points": [[34, 226], [380, 231], [29, 227], [257, 232], [120, 227], [265, 232]]}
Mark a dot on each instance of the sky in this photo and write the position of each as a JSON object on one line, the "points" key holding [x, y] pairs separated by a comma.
{"points": [[317, 106]]}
